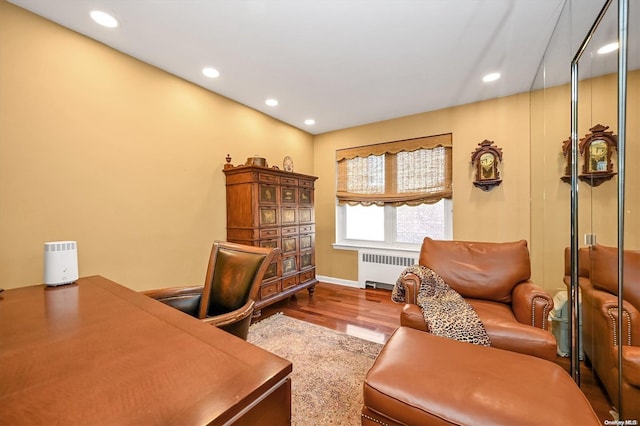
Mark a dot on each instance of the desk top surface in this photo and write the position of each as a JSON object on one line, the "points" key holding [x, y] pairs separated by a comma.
{"points": [[96, 352]]}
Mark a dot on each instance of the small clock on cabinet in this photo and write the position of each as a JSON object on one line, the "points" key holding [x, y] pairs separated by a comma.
{"points": [[287, 164]]}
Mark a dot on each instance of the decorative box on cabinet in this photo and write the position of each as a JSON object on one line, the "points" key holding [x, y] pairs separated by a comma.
{"points": [[273, 208]]}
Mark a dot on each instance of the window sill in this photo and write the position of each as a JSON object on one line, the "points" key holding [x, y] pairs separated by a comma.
{"points": [[372, 246]]}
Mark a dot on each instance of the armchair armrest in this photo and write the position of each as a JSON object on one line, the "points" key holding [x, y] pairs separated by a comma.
{"points": [[531, 305], [411, 316], [631, 364], [185, 299], [410, 284], [607, 307]]}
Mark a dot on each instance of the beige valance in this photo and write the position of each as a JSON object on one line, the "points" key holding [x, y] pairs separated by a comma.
{"points": [[410, 199], [425, 142]]}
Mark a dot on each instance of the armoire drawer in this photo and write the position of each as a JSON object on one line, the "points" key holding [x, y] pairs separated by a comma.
{"points": [[269, 290]]}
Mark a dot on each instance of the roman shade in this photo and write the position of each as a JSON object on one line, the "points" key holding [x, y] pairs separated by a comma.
{"points": [[406, 172]]}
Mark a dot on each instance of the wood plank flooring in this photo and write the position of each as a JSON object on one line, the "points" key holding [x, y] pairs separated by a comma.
{"points": [[371, 314]]}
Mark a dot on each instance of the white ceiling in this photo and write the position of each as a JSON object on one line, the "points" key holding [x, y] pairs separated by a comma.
{"points": [[341, 62]]}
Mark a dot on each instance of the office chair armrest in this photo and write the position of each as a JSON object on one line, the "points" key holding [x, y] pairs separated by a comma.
{"points": [[185, 299], [163, 293], [231, 317]]}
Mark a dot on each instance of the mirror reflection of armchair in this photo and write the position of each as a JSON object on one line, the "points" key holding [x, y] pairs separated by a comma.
{"points": [[603, 300], [231, 285]]}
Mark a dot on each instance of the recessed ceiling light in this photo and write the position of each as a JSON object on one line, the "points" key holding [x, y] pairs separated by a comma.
{"points": [[104, 19], [608, 48], [491, 77], [309, 121], [211, 72], [271, 102]]}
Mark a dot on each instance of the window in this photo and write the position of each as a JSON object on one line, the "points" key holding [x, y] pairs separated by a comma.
{"points": [[394, 194]]}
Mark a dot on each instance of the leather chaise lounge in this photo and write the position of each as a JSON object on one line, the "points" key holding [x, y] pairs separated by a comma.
{"points": [[423, 379]]}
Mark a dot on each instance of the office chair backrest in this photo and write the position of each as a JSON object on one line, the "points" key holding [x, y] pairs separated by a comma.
{"points": [[233, 277]]}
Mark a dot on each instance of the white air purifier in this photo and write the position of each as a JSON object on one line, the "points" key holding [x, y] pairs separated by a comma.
{"points": [[60, 262]]}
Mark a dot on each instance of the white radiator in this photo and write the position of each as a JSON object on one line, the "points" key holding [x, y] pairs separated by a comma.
{"points": [[381, 268]]}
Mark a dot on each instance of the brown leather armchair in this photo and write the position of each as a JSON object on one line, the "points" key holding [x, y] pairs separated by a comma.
{"points": [[598, 280], [494, 278], [231, 285]]}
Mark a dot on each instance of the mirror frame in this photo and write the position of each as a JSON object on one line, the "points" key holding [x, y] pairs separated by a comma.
{"points": [[574, 306]]}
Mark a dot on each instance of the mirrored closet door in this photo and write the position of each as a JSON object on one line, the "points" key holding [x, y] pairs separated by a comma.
{"points": [[585, 165]]}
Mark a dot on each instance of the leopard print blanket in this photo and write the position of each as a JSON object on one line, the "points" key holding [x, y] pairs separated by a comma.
{"points": [[446, 313]]}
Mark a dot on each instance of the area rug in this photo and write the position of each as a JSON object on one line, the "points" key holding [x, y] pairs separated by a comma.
{"points": [[328, 368]]}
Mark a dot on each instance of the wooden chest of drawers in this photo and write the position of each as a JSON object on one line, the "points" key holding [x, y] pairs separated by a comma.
{"points": [[272, 208]]}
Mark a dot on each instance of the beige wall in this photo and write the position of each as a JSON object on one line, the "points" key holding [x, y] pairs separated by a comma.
{"points": [[98, 147], [551, 198], [501, 214], [127, 159], [532, 203]]}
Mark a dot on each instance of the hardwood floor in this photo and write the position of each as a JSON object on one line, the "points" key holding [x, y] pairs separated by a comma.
{"points": [[371, 314], [366, 313]]}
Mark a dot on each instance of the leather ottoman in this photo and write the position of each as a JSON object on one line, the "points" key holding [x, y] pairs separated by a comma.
{"points": [[423, 379]]}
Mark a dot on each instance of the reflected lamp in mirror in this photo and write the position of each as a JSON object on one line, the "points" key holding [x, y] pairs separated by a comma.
{"points": [[596, 149], [486, 159]]}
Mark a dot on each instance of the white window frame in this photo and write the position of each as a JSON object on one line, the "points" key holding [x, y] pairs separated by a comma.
{"points": [[389, 242]]}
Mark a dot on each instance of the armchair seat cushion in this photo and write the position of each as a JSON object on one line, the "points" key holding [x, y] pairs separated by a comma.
{"points": [[504, 331], [507, 333]]}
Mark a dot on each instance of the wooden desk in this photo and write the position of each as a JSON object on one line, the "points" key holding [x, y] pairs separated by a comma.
{"points": [[98, 353]]}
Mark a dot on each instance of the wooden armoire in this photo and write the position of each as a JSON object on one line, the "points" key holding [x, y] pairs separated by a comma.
{"points": [[269, 207]]}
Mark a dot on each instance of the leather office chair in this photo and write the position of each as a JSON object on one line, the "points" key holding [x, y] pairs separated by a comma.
{"points": [[231, 285]]}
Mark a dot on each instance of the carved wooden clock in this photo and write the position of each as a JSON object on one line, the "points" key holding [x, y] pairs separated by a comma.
{"points": [[486, 159], [596, 148]]}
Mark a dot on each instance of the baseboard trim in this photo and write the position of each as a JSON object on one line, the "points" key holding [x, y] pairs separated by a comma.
{"points": [[338, 281]]}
